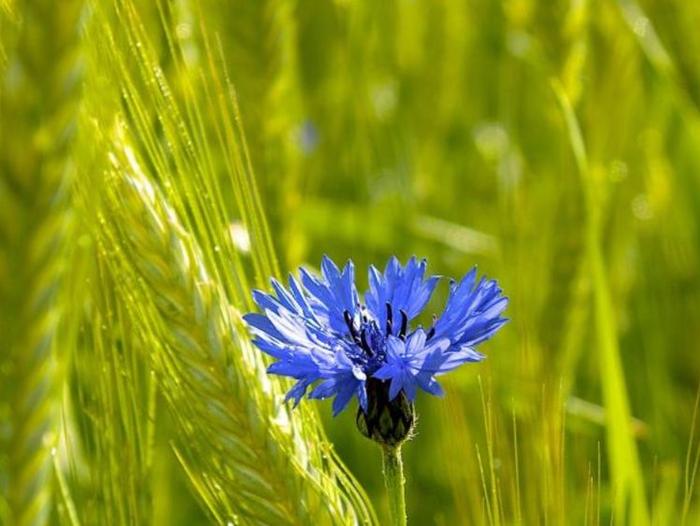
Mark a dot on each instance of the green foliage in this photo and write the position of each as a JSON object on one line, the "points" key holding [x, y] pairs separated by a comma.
{"points": [[160, 160], [38, 106]]}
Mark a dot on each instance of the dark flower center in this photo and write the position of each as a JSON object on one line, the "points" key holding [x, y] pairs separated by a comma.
{"points": [[390, 322], [359, 336], [363, 336]]}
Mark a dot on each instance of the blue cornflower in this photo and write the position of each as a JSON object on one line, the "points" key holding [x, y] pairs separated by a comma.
{"points": [[325, 337]]}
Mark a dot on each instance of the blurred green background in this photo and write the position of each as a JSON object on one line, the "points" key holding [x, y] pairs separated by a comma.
{"points": [[554, 144]]}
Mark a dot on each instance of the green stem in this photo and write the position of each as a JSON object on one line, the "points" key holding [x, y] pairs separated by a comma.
{"points": [[394, 481]]}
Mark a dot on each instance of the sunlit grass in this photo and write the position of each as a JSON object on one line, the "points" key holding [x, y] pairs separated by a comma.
{"points": [[159, 161]]}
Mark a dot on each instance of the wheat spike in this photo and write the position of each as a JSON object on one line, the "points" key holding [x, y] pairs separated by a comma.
{"points": [[248, 458], [115, 402], [164, 241], [37, 110]]}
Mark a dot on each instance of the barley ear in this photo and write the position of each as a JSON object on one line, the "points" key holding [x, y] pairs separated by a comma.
{"points": [[248, 459], [38, 101]]}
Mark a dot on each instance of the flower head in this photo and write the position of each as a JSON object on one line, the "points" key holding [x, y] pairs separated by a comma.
{"points": [[322, 335]]}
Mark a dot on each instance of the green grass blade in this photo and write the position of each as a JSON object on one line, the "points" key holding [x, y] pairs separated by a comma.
{"points": [[627, 481]]}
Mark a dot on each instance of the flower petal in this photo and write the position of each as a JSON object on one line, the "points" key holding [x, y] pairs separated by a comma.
{"points": [[472, 313], [404, 288]]}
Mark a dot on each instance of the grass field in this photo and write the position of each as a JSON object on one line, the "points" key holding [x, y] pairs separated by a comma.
{"points": [[159, 161]]}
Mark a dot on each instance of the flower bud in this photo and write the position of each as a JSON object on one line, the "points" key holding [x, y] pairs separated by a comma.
{"points": [[387, 422]]}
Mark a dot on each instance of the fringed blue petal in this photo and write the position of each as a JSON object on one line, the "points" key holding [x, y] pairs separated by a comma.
{"points": [[405, 289], [321, 336], [472, 313]]}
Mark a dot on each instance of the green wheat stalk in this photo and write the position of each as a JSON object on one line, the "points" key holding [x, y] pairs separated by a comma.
{"points": [[114, 396], [37, 104], [260, 49], [253, 454], [177, 275]]}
